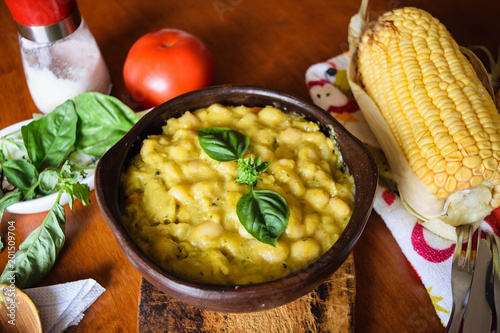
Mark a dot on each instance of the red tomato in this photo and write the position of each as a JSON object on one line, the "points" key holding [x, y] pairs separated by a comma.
{"points": [[164, 64]]}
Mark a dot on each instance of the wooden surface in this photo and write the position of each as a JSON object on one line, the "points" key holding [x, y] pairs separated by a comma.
{"points": [[264, 42], [25, 317], [329, 308]]}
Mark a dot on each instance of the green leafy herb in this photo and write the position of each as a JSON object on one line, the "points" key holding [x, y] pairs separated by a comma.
{"points": [[68, 182], [43, 163], [103, 120], [10, 143], [9, 199], [50, 139], [21, 174], [249, 170], [2, 159], [264, 214], [223, 144], [38, 252], [48, 181]]}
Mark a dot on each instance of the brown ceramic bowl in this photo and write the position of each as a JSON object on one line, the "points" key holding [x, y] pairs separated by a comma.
{"points": [[244, 298]]}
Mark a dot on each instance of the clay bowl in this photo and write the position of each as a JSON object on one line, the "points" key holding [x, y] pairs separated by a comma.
{"points": [[244, 298]]}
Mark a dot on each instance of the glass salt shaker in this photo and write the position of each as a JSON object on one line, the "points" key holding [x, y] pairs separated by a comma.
{"points": [[60, 56]]}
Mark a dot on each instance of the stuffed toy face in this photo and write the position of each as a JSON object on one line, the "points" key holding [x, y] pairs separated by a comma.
{"points": [[329, 89], [327, 95]]}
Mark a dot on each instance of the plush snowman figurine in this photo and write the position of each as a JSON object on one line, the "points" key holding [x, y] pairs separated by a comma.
{"points": [[329, 89]]}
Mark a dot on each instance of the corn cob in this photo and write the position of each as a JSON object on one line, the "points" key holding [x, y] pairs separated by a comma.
{"points": [[439, 113]]}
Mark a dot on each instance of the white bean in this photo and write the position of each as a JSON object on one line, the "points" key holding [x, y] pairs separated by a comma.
{"points": [[305, 250], [207, 229]]}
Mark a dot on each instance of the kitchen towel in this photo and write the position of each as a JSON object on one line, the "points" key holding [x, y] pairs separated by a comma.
{"points": [[430, 255], [62, 305]]}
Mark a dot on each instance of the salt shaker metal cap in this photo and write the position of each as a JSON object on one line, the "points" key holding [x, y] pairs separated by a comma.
{"points": [[60, 56], [44, 21]]}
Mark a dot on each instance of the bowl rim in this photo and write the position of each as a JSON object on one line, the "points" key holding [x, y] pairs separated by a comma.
{"points": [[227, 296]]}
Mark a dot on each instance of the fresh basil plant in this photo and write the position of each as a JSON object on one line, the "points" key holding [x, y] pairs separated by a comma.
{"points": [[264, 214], [41, 164]]}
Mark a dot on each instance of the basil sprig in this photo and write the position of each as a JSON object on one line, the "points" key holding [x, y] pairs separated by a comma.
{"points": [[41, 164], [264, 214]]}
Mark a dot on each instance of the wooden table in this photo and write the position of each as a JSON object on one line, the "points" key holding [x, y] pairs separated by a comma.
{"points": [[263, 42]]}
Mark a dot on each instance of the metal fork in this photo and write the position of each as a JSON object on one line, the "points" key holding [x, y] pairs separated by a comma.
{"points": [[461, 276], [495, 247], [478, 316]]}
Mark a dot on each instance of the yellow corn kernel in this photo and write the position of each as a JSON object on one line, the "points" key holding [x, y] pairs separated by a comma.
{"points": [[437, 109]]}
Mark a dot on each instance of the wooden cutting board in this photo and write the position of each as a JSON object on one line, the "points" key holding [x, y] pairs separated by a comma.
{"points": [[329, 308]]}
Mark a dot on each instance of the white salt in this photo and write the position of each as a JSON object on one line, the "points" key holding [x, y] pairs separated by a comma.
{"points": [[58, 71]]}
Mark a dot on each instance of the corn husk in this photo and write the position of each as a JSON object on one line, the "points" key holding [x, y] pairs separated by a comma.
{"points": [[438, 215]]}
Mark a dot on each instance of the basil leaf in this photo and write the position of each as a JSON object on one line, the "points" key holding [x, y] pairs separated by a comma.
{"points": [[48, 180], [80, 191], [20, 173], [249, 170], [50, 139], [37, 254], [104, 120], [11, 146], [223, 144], [264, 214], [10, 199]]}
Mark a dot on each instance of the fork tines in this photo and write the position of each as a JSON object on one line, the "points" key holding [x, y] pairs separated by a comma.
{"points": [[478, 316], [475, 281], [495, 278], [461, 275]]}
